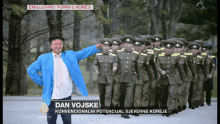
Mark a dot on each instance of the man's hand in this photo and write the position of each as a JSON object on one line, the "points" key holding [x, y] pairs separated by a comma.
{"points": [[98, 46], [210, 76], [114, 69], [96, 72], [44, 108], [163, 72]]}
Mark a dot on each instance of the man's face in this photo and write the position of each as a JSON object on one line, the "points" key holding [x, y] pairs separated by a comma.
{"points": [[115, 47], [144, 47], [57, 46], [137, 48], [185, 49], [106, 49], [128, 46], [200, 49], [207, 51], [194, 51], [177, 50], [151, 45], [157, 44], [168, 51]]}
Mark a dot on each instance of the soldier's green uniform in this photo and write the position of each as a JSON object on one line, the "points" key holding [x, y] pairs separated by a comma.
{"points": [[208, 84], [195, 62], [115, 41], [168, 63], [152, 63], [202, 75], [157, 51], [128, 74], [180, 89], [104, 64], [141, 94], [188, 73]]}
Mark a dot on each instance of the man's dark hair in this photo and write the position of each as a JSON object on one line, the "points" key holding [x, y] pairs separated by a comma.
{"points": [[54, 38]]}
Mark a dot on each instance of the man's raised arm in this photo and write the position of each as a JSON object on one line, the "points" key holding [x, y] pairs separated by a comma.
{"points": [[88, 51]]}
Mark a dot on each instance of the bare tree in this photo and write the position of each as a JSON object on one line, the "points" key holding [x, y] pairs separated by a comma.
{"points": [[175, 13], [154, 21], [163, 19], [105, 14], [113, 15]]}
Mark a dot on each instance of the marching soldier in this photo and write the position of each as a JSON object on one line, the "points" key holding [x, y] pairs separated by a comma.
{"points": [[188, 73], [208, 84], [141, 94], [157, 51], [153, 69], [180, 89], [195, 62], [128, 73], [166, 65], [116, 42], [202, 74], [104, 65]]}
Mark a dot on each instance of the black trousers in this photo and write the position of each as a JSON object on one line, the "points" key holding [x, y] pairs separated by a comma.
{"points": [[52, 117], [208, 85], [126, 94], [105, 94]]}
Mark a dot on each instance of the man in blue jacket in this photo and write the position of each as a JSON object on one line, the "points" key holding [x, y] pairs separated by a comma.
{"points": [[58, 71]]}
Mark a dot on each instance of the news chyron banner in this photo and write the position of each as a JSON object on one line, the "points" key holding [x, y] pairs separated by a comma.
{"points": [[59, 7], [93, 107]]}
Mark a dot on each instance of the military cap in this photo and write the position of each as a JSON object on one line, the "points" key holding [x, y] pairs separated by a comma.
{"points": [[158, 37], [116, 41], [119, 36], [161, 43], [178, 44], [128, 39], [205, 47], [146, 41], [138, 41], [168, 43], [200, 42], [151, 38], [55, 37], [183, 40], [193, 45], [106, 41]]}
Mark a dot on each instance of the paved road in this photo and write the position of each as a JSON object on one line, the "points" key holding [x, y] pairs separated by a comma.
{"points": [[25, 110]]}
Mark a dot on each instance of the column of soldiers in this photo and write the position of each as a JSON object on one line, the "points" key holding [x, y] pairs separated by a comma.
{"points": [[147, 71]]}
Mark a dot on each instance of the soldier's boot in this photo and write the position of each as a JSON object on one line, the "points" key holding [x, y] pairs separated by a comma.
{"points": [[122, 115], [179, 108], [202, 102], [152, 106], [136, 114], [197, 104], [209, 104], [184, 107], [127, 116], [168, 113], [175, 111]]}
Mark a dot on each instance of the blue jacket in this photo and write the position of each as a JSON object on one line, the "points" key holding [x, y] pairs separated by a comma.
{"points": [[44, 63]]}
